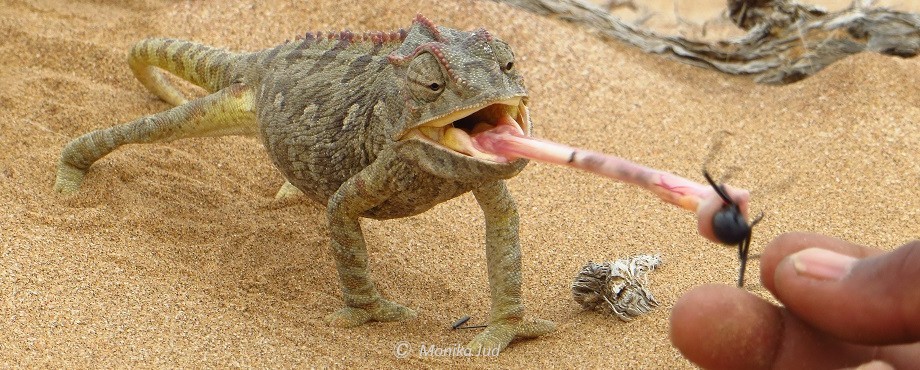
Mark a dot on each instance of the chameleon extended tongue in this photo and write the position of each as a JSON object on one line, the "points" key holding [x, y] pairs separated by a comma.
{"points": [[509, 141], [506, 142]]}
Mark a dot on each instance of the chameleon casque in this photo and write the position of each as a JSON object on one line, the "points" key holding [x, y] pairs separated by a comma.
{"points": [[375, 125]]}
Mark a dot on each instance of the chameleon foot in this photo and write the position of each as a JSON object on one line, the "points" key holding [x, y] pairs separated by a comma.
{"points": [[498, 335], [68, 179], [288, 191], [382, 311]]}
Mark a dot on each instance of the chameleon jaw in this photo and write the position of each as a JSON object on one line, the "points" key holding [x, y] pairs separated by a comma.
{"points": [[454, 132]]}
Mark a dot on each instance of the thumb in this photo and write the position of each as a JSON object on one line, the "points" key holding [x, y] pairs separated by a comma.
{"points": [[874, 300]]}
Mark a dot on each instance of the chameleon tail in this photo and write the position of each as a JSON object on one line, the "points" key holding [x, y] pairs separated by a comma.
{"points": [[201, 65]]}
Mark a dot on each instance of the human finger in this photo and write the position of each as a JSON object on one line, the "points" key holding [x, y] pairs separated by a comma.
{"points": [[872, 300]]}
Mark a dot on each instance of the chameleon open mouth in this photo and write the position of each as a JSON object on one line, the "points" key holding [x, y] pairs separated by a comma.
{"points": [[457, 130]]}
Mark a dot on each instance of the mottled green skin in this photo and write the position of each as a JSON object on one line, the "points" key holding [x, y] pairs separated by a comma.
{"points": [[321, 133], [331, 111]]}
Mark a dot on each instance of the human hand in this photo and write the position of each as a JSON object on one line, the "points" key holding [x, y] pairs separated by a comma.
{"points": [[856, 306]]}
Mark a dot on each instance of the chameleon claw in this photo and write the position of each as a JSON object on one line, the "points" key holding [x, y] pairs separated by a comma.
{"points": [[498, 335], [381, 311]]}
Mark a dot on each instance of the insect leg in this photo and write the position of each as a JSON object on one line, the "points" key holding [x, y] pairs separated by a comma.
{"points": [[719, 189]]}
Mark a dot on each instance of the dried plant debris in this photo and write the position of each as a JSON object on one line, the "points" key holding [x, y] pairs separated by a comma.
{"points": [[785, 41], [618, 287]]}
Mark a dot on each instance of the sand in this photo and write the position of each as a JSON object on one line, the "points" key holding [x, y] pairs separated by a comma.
{"points": [[177, 255]]}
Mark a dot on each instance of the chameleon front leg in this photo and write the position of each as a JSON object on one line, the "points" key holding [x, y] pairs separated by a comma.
{"points": [[503, 254], [363, 302]]}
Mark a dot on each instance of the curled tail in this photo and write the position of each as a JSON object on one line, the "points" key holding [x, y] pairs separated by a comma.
{"points": [[201, 65]]}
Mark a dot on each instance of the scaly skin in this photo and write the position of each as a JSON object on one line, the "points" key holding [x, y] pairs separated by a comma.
{"points": [[356, 121]]}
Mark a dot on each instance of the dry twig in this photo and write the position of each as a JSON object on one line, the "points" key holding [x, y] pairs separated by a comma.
{"points": [[786, 41]]}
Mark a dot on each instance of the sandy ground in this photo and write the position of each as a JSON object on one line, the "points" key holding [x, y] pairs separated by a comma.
{"points": [[177, 255]]}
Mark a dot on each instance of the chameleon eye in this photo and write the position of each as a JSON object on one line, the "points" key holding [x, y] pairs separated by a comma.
{"points": [[503, 55], [425, 77]]}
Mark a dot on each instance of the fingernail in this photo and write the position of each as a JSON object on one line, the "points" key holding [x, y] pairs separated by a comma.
{"points": [[822, 264], [875, 365]]}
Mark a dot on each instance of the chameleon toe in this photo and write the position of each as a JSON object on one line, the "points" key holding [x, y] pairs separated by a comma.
{"points": [[535, 328], [348, 317], [389, 311], [499, 335], [382, 311]]}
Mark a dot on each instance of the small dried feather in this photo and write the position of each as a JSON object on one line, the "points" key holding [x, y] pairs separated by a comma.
{"points": [[618, 287]]}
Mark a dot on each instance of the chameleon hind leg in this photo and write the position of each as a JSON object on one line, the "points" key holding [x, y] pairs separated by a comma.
{"points": [[199, 64], [226, 112], [503, 255]]}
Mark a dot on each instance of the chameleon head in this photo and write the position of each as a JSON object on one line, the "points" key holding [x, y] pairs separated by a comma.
{"points": [[458, 84]]}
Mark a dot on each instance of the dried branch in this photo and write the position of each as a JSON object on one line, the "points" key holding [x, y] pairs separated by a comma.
{"points": [[786, 41]]}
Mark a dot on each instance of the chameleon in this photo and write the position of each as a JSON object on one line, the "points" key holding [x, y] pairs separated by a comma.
{"points": [[375, 125]]}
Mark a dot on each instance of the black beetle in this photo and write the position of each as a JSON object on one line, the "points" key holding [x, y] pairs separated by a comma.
{"points": [[730, 226]]}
